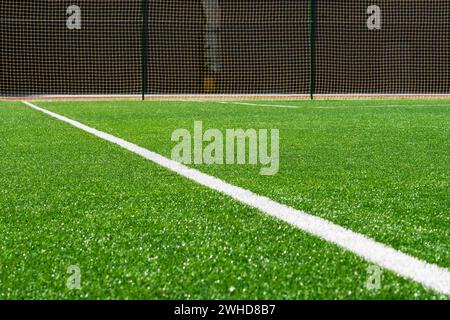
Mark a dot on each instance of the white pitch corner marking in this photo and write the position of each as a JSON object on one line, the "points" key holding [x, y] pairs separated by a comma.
{"points": [[429, 275]]}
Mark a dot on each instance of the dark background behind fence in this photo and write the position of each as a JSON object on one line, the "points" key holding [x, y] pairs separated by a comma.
{"points": [[409, 54], [264, 47], [40, 55]]}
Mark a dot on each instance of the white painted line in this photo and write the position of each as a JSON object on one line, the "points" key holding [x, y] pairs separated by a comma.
{"points": [[247, 104], [429, 275], [261, 105], [331, 107], [341, 106], [383, 106]]}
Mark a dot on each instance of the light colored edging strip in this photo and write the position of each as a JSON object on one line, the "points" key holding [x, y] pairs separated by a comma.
{"points": [[429, 275]]}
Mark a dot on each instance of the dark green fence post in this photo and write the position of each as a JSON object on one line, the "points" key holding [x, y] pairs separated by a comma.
{"points": [[144, 43], [313, 13]]}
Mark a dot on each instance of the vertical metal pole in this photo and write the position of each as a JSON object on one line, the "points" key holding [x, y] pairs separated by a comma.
{"points": [[144, 43], [313, 12], [211, 11]]}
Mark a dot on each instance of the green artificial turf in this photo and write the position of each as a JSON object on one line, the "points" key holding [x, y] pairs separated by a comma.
{"points": [[380, 168], [139, 231]]}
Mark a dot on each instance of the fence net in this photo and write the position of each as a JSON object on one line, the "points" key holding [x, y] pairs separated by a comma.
{"points": [[99, 47], [264, 46], [70, 47], [382, 46], [234, 46]]}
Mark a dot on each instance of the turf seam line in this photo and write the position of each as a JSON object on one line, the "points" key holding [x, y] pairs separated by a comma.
{"points": [[429, 275]]}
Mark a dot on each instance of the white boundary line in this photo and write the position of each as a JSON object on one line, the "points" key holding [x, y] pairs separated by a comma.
{"points": [[383, 106], [429, 275], [331, 107], [343, 107], [260, 105], [247, 104]]}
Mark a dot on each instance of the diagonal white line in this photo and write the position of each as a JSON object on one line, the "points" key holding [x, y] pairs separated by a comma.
{"points": [[429, 275]]}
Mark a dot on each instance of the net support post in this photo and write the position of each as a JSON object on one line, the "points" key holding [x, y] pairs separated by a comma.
{"points": [[312, 41], [144, 45]]}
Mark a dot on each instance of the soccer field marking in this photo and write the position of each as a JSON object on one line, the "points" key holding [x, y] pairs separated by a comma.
{"points": [[313, 107], [429, 275], [384, 106], [248, 104], [261, 105], [331, 107]]}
